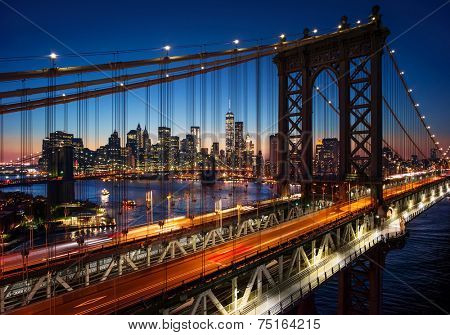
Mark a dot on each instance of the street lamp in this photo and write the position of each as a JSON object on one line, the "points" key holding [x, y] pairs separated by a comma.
{"points": [[188, 205], [149, 202], [169, 197], [349, 199], [239, 213], [53, 57]]}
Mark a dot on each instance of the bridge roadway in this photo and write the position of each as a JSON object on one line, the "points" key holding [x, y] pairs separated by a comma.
{"points": [[12, 262], [114, 294], [38, 257]]}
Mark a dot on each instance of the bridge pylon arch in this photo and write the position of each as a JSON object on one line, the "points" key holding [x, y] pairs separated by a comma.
{"points": [[354, 54]]}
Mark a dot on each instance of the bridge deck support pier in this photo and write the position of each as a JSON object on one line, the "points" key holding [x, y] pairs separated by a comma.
{"points": [[2, 299], [307, 306], [360, 284]]}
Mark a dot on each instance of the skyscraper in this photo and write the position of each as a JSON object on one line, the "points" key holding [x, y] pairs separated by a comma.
{"points": [[239, 144], [132, 148], [58, 155], [195, 131], [174, 149], [113, 150], [327, 157], [139, 139], [259, 166], [146, 146], [132, 142], [215, 149], [164, 144], [229, 134], [273, 152], [187, 149], [249, 152]]}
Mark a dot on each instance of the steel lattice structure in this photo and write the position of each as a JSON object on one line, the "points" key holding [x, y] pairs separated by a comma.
{"points": [[355, 59]]}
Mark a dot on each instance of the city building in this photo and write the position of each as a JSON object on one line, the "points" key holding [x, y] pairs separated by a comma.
{"points": [[187, 150], [195, 131], [113, 151], [326, 161], [249, 152], [215, 149], [164, 134], [174, 148], [239, 144], [229, 134], [273, 155], [132, 148]]}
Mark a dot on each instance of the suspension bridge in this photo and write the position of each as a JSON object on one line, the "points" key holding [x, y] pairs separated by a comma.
{"points": [[334, 134]]}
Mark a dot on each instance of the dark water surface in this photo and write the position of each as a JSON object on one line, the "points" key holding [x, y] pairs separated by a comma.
{"points": [[416, 279], [201, 198]]}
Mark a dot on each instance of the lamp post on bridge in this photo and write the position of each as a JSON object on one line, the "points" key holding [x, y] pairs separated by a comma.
{"points": [[149, 207]]}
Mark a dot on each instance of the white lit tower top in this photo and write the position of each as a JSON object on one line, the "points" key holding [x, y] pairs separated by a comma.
{"points": [[195, 132], [229, 131]]}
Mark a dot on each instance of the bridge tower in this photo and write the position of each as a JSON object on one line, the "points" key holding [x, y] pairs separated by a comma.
{"points": [[353, 54]]}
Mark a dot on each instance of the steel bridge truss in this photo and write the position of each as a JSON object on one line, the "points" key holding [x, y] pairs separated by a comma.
{"points": [[32, 287], [299, 269], [354, 56], [354, 250], [256, 285]]}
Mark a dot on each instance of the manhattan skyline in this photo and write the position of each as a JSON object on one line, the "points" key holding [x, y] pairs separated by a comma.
{"points": [[177, 34]]}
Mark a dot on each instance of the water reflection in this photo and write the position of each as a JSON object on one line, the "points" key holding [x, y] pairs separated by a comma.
{"points": [[185, 197]]}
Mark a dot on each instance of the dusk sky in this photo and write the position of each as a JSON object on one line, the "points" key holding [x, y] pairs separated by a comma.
{"points": [[420, 37]]}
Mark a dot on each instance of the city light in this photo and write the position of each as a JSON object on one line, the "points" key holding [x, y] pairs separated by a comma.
{"points": [[236, 41], [282, 36], [315, 31], [402, 73], [53, 56], [167, 47], [410, 90], [358, 22]]}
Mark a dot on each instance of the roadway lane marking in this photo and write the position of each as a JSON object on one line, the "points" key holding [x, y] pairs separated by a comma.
{"points": [[91, 301]]}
